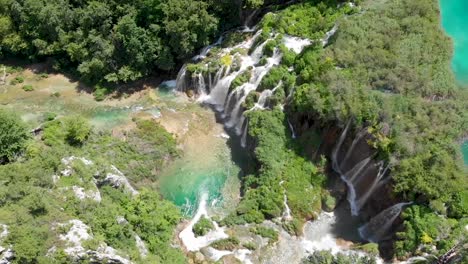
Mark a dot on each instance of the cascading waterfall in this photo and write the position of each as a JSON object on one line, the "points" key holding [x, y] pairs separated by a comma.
{"points": [[230, 103], [293, 134], [377, 228], [362, 180], [214, 88]]}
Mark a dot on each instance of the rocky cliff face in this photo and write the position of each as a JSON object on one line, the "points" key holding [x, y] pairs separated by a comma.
{"points": [[368, 179]]}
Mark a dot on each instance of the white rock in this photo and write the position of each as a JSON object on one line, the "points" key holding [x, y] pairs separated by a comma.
{"points": [[141, 246], [121, 220], [117, 180], [6, 256], [66, 172], [105, 254], [67, 161], [81, 193], [4, 232]]}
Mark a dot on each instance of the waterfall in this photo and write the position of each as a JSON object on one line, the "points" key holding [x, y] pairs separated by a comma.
{"points": [[377, 228], [360, 179], [193, 243], [181, 84], [293, 134], [328, 35], [287, 211], [244, 136], [204, 52]]}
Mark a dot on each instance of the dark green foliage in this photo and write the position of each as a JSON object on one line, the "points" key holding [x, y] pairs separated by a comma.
{"points": [[309, 20], [250, 100], [269, 48], [203, 226], [49, 116], [101, 41], [13, 136], [229, 243]]}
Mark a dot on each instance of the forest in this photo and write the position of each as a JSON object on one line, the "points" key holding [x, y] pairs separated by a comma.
{"points": [[386, 71]]}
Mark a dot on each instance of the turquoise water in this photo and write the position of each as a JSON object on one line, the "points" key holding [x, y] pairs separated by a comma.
{"points": [[455, 23], [465, 152], [209, 171]]}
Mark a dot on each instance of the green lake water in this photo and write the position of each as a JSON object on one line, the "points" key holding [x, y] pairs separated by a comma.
{"points": [[464, 148], [189, 178], [455, 23]]}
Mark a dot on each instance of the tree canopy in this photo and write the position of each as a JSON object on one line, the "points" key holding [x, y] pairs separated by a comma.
{"points": [[13, 135]]}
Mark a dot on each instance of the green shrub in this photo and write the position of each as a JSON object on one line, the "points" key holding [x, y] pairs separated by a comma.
{"points": [[229, 243], [77, 130], [100, 92], [270, 47], [240, 79], [250, 246], [13, 136], [266, 232], [16, 80], [28, 88], [49, 116], [203, 226]]}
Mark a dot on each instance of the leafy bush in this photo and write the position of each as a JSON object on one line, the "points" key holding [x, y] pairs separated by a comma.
{"points": [[100, 92], [250, 246], [203, 226], [326, 257], [28, 88], [77, 130], [266, 232], [229, 243], [13, 136], [16, 80]]}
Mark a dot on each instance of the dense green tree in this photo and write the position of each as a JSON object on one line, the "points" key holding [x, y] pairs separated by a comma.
{"points": [[13, 136]]}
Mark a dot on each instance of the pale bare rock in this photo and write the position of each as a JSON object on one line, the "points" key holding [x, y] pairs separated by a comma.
{"points": [[118, 179], [141, 246], [81, 193], [80, 232], [6, 255]]}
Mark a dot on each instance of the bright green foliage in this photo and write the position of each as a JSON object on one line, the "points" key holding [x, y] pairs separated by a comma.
{"points": [[325, 257], [77, 129], [309, 20], [28, 88], [276, 75], [203, 226], [29, 208], [240, 79], [266, 232], [276, 163], [13, 136], [424, 227]]}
